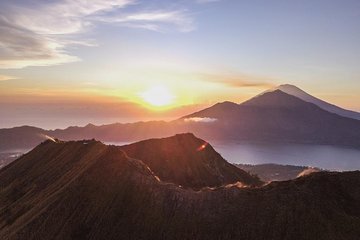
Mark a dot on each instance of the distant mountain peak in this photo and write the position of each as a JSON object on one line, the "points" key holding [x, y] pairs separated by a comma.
{"points": [[226, 103], [286, 85], [295, 91], [90, 125], [299, 93], [276, 98]]}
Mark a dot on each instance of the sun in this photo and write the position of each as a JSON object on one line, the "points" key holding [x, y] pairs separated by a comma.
{"points": [[158, 96]]}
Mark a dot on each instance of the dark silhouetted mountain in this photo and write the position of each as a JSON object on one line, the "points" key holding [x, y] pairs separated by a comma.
{"points": [[279, 117], [28, 137], [21, 137], [277, 99], [223, 109], [297, 92], [88, 190], [188, 161], [117, 131]]}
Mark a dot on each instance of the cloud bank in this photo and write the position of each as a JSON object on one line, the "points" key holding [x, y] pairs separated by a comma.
{"points": [[200, 119], [38, 33]]}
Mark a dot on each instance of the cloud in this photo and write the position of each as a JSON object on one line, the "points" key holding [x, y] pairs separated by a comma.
{"points": [[62, 17], [5, 78], [238, 81], [152, 20], [20, 47], [200, 119], [38, 33], [308, 171]]}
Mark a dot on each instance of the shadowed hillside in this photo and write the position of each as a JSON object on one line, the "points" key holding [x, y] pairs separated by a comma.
{"points": [[87, 190], [188, 161]]}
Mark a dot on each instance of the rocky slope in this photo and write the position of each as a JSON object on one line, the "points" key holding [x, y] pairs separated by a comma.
{"points": [[297, 92], [188, 161], [88, 190]]}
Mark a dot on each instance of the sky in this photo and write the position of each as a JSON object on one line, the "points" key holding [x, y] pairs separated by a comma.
{"points": [[73, 62]]}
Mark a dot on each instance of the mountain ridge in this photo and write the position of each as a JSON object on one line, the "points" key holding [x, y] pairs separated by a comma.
{"points": [[188, 161], [297, 92], [225, 121], [87, 190]]}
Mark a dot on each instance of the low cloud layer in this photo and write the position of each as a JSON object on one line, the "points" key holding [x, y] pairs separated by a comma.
{"points": [[38, 33], [200, 119]]}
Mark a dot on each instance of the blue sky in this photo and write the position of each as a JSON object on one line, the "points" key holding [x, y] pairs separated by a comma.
{"points": [[59, 51]]}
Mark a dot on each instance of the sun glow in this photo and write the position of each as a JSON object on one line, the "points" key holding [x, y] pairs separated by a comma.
{"points": [[158, 96]]}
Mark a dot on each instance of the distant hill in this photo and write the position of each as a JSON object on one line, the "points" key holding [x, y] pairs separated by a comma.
{"points": [[297, 92], [88, 190], [21, 137], [29, 137]]}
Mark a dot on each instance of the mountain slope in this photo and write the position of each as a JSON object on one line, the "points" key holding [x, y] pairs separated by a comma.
{"points": [[87, 190], [297, 92], [277, 99], [21, 137], [188, 161], [63, 190], [279, 117]]}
